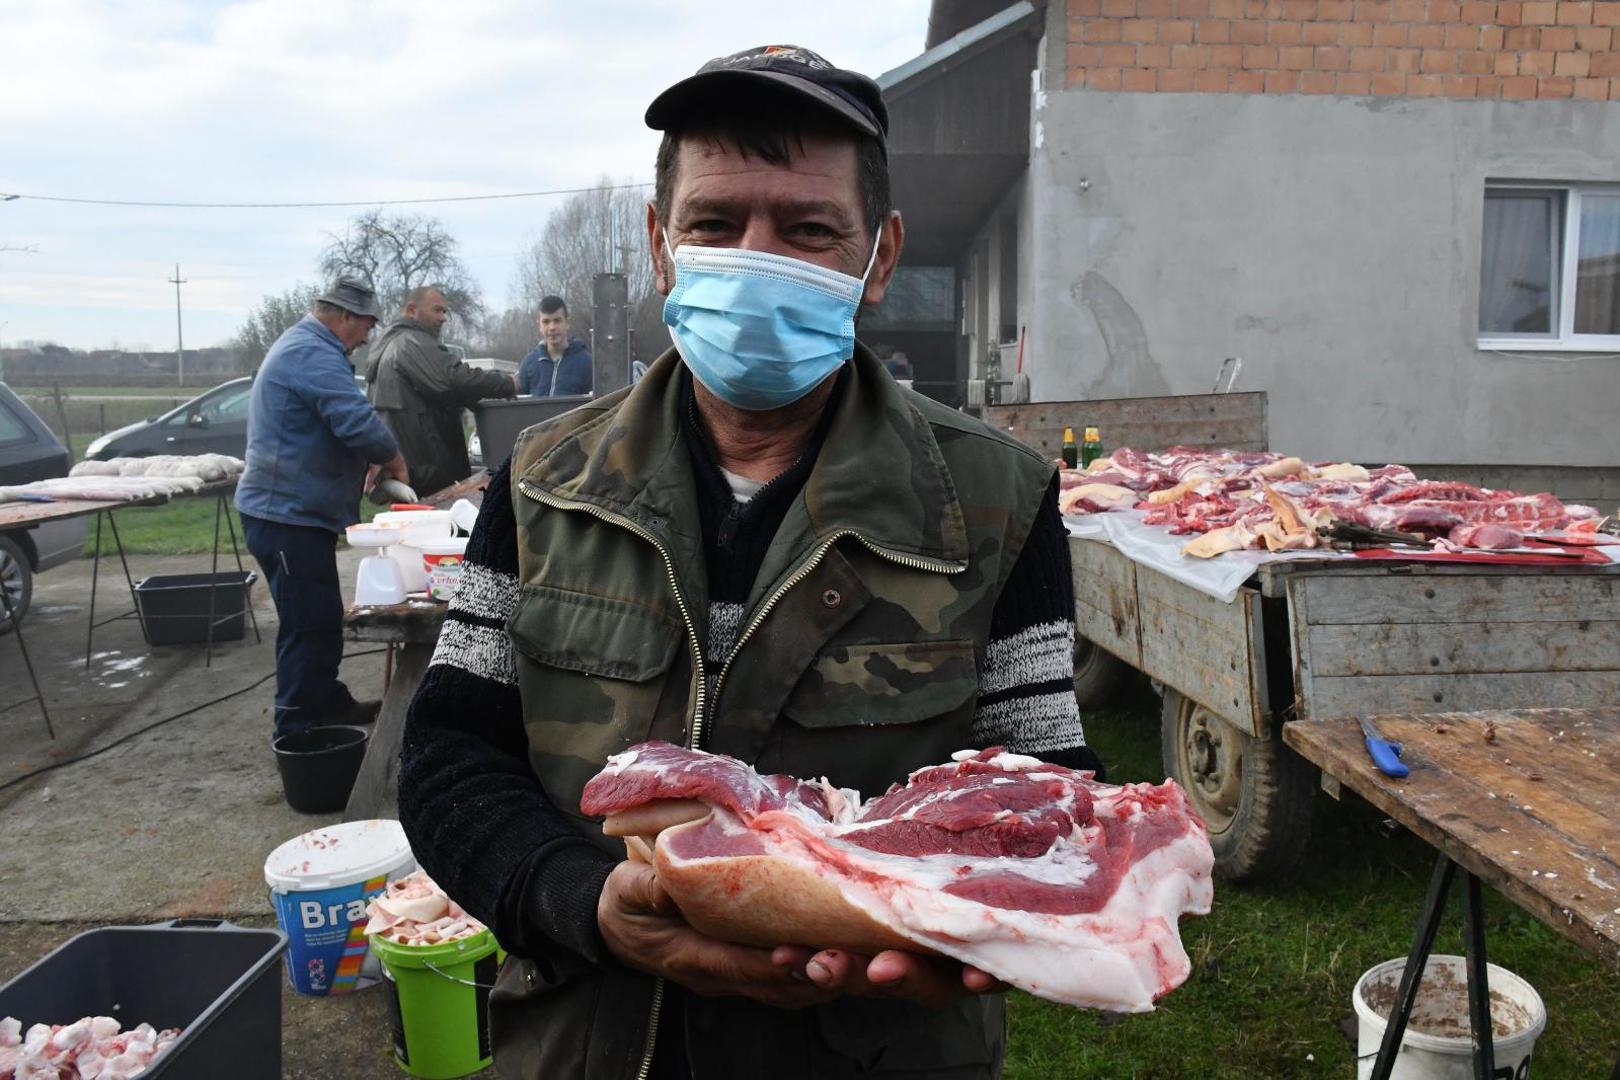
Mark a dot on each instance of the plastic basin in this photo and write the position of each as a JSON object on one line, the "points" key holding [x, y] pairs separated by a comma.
{"points": [[318, 767]]}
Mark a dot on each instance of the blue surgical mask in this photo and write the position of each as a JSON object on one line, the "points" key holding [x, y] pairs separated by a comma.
{"points": [[760, 330]]}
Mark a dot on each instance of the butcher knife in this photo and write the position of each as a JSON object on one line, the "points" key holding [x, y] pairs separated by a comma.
{"points": [[1385, 754]]}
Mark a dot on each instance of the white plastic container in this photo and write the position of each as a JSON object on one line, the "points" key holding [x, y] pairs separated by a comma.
{"points": [[420, 526], [319, 884], [1517, 1013], [441, 562]]}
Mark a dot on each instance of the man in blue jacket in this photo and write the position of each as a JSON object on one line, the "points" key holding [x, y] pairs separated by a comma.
{"points": [[314, 441], [560, 364]]}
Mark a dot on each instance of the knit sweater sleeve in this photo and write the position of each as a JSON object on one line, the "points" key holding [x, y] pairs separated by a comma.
{"points": [[476, 815], [1026, 683]]}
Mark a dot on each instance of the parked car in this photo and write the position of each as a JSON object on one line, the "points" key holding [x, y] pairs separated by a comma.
{"points": [[30, 451], [214, 422]]}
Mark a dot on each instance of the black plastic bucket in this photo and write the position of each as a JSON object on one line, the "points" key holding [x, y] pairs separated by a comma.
{"points": [[318, 766]]}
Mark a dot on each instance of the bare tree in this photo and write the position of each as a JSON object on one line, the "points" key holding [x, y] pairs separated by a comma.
{"points": [[270, 319], [596, 231], [399, 252]]}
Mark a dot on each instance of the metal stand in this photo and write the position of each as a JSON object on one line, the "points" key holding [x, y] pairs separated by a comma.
{"points": [[221, 512], [22, 645], [95, 576], [1479, 991]]}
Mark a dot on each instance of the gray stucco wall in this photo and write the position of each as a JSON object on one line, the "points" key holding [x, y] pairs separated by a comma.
{"points": [[1332, 243]]}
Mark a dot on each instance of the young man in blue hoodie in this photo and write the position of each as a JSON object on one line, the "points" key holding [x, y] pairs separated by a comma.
{"points": [[560, 364]]}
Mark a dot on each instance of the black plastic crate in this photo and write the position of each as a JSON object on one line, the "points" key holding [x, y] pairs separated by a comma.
{"points": [[174, 607], [220, 984]]}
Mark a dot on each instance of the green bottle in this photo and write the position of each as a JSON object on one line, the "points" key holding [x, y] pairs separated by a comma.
{"points": [[1071, 452], [1091, 449]]}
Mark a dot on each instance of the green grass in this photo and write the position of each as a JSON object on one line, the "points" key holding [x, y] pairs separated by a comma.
{"points": [[1274, 964]]}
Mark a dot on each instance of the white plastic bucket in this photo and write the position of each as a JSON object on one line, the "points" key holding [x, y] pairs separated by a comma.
{"points": [[319, 884], [1436, 1044], [442, 561], [420, 527]]}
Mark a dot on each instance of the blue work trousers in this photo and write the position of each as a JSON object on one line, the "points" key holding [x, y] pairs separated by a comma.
{"points": [[300, 566]]}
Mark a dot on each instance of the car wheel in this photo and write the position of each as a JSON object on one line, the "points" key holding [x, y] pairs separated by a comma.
{"points": [[17, 579]]}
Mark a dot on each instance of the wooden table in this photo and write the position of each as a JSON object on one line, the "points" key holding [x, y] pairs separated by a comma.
{"points": [[410, 630], [1526, 801]]}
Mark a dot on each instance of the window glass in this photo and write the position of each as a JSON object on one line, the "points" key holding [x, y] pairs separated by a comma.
{"points": [[919, 298], [1597, 266], [1518, 282], [12, 427], [227, 406]]}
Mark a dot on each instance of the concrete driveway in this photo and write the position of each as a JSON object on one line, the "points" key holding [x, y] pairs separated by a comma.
{"points": [[174, 822]]}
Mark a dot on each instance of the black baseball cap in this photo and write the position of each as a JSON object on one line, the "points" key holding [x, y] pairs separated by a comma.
{"points": [[849, 95]]}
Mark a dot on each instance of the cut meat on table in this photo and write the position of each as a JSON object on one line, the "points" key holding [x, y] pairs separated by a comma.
{"points": [[1037, 874], [1256, 499]]}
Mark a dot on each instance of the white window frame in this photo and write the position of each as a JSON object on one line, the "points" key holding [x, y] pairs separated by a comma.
{"points": [[1564, 260]]}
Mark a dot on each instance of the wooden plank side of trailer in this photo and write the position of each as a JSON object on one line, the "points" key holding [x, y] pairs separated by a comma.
{"points": [[1423, 643], [1229, 421], [1105, 609], [1211, 651]]}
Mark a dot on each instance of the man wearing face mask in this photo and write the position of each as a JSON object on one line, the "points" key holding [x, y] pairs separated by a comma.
{"points": [[420, 389], [312, 440], [764, 548]]}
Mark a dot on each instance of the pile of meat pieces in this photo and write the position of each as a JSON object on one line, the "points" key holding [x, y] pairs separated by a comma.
{"points": [[415, 911], [1060, 885], [1239, 500], [92, 1048]]}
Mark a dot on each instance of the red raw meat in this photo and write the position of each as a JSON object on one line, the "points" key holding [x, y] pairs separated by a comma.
{"points": [[1487, 537], [1041, 876]]}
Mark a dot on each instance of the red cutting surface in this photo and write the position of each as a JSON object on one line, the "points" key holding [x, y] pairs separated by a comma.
{"points": [[1576, 557]]}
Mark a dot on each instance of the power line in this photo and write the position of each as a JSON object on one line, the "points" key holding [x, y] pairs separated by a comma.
{"points": [[9, 197]]}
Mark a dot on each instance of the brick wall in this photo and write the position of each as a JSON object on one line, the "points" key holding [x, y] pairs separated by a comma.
{"points": [[1414, 48]]}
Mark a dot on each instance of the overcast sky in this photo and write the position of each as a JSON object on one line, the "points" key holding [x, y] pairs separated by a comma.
{"points": [[352, 100]]}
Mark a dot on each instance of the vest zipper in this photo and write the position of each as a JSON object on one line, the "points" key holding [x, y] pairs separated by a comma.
{"points": [[541, 497], [914, 562], [699, 712]]}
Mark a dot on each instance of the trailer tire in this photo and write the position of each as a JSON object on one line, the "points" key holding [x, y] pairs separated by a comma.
{"points": [[1254, 794], [1098, 673]]}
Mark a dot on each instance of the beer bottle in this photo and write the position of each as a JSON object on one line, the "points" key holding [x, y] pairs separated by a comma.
{"points": [[1091, 449], [1071, 452]]}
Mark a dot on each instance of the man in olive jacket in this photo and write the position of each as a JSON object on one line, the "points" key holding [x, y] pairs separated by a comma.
{"points": [[765, 548], [419, 388]]}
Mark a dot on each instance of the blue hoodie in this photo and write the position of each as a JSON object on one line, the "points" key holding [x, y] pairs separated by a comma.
{"points": [[540, 376], [311, 433]]}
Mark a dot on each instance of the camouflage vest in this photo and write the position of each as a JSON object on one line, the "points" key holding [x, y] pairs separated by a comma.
{"points": [[857, 658]]}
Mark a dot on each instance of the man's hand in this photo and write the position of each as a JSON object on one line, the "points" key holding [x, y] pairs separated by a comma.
{"points": [[395, 467], [641, 926], [927, 980]]}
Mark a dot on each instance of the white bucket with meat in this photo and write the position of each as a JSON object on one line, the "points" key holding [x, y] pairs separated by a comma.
{"points": [[1436, 1044]]}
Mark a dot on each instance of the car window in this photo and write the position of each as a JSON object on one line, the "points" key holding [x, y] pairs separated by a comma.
{"points": [[227, 406], [13, 428]]}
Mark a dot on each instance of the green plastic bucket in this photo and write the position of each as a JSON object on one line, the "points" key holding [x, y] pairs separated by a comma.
{"points": [[441, 1003]]}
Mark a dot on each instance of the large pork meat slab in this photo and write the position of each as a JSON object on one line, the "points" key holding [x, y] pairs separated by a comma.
{"points": [[1037, 874]]}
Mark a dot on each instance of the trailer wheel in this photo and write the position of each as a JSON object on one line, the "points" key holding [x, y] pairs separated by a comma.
{"points": [[1255, 795], [17, 578], [1098, 673]]}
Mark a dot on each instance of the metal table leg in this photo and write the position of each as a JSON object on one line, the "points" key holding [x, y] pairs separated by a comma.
{"points": [[22, 645], [230, 527], [95, 576], [213, 586], [1479, 986], [1429, 925]]}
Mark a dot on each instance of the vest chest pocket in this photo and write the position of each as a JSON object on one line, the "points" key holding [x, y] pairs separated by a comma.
{"points": [[591, 671], [883, 684]]}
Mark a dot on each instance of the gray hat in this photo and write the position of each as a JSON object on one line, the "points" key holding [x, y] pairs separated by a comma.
{"points": [[353, 295]]}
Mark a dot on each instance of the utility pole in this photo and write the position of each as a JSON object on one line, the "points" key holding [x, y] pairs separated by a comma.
{"points": [[179, 334]]}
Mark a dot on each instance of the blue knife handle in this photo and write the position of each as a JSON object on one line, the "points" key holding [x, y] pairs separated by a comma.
{"points": [[1387, 756]]}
